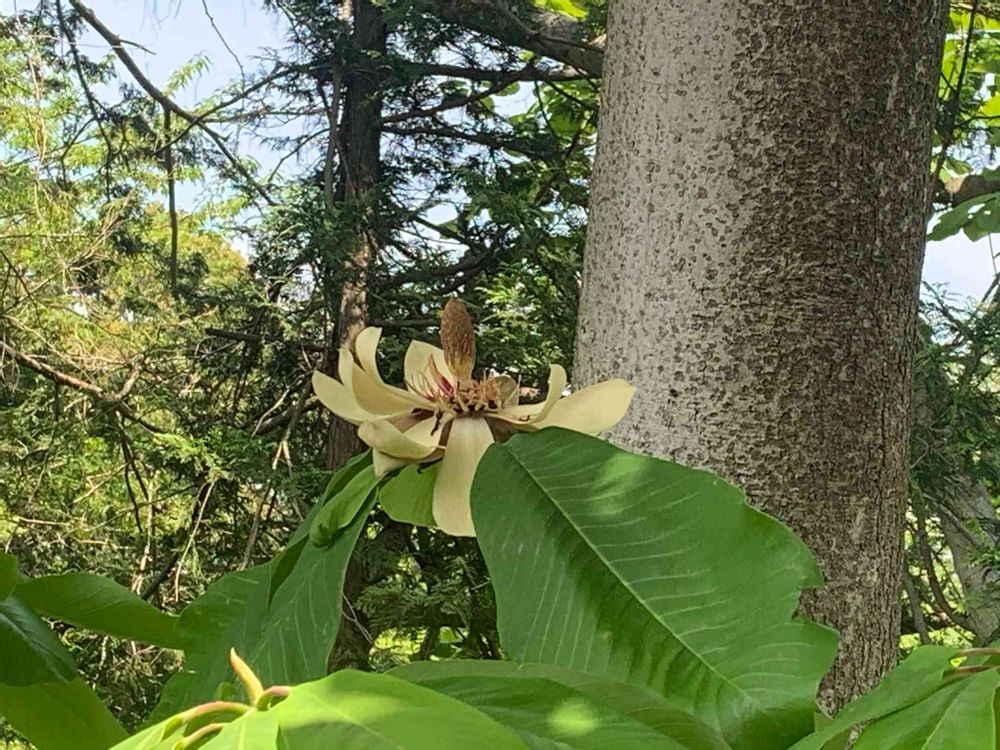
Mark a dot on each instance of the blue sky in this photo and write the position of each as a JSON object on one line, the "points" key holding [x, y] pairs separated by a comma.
{"points": [[176, 31]]}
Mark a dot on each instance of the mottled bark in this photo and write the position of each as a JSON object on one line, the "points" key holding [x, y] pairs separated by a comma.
{"points": [[756, 237]]}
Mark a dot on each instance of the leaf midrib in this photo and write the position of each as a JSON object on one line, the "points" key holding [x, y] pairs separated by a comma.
{"points": [[607, 564]]}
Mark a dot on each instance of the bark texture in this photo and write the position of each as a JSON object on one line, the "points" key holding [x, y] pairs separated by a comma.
{"points": [[756, 238]]}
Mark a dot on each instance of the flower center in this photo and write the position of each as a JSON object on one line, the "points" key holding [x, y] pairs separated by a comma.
{"points": [[470, 396]]}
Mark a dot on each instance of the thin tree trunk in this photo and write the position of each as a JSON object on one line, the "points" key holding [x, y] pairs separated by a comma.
{"points": [[756, 238], [359, 150]]}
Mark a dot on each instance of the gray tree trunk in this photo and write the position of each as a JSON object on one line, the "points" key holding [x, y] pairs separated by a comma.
{"points": [[756, 237]]}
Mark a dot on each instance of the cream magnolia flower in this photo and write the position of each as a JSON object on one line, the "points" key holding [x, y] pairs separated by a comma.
{"points": [[444, 413]]}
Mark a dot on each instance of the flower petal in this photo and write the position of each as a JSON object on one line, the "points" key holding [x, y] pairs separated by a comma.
{"points": [[365, 346], [417, 442], [384, 463], [415, 363], [557, 384], [336, 397], [592, 410], [533, 413], [468, 441], [368, 387], [379, 398]]}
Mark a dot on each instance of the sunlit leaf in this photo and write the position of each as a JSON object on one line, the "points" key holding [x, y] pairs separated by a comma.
{"points": [[285, 632], [653, 573], [60, 716], [100, 604], [520, 695], [408, 497]]}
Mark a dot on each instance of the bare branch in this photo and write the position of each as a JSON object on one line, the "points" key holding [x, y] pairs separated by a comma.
{"points": [[118, 46], [530, 72], [62, 378], [448, 104], [544, 32]]}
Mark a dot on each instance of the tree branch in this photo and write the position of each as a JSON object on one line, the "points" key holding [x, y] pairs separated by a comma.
{"points": [[76, 384], [498, 85], [522, 24], [528, 73], [483, 139], [118, 46]]}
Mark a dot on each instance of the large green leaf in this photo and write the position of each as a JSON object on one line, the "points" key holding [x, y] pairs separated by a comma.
{"points": [[556, 707], [349, 490], [98, 603], [60, 716], [918, 677], [285, 631], [652, 573], [354, 711], [258, 732], [29, 651], [959, 716], [408, 497]]}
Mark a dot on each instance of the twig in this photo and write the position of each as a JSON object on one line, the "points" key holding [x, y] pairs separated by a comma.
{"points": [[937, 591], [918, 615], [204, 494], [444, 106], [168, 163]]}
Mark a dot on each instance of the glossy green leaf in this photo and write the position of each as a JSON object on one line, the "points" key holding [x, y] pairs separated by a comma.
{"points": [[408, 497], [256, 732], [100, 604], [60, 716], [349, 490], [916, 678], [652, 573], [29, 651], [285, 632], [554, 705], [959, 716], [230, 614], [352, 710]]}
